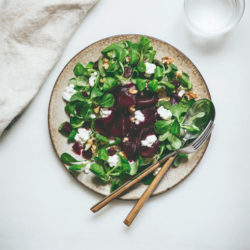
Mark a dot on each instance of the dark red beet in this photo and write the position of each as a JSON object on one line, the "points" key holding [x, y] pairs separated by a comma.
{"points": [[111, 151], [77, 148], [120, 126], [130, 148], [147, 152], [103, 125], [125, 99], [127, 72], [66, 128], [84, 94], [176, 83], [95, 65], [175, 99], [145, 100], [150, 115], [87, 154]]}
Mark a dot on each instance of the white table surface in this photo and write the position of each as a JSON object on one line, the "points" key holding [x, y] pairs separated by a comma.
{"points": [[43, 207]]}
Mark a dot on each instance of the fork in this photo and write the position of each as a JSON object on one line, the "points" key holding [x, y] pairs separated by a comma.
{"points": [[192, 147], [148, 170]]}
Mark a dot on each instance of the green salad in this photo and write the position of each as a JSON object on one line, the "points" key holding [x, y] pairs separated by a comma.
{"points": [[126, 111]]}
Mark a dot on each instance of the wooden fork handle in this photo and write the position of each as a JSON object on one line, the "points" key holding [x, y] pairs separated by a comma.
{"points": [[124, 188], [135, 210]]}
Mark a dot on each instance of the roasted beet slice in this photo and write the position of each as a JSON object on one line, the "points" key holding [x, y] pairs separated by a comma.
{"points": [[150, 115], [176, 83], [127, 72], [129, 147], [66, 129], [87, 154], [103, 125], [77, 148], [147, 152], [111, 151], [146, 100], [120, 126], [125, 98]]}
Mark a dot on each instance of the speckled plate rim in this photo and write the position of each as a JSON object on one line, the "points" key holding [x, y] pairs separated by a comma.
{"points": [[93, 44]]}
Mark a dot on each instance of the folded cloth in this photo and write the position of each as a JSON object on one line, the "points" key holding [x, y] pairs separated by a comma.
{"points": [[32, 36]]}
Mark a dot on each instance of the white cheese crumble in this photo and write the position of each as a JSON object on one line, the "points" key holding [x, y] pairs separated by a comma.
{"points": [[83, 135], [150, 68], [156, 171], [69, 91], [113, 160], [104, 112], [111, 141], [92, 79], [86, 169], [92, 116], [181, 93], [164, 113], [149, 141], [139, 117]]}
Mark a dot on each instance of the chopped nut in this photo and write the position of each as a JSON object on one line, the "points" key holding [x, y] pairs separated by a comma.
{"points": [[125, 139], [132, 109], [89, 144], [127, 59], [190, 95], [167, 60], [121, 153], [133, 91], [132, 119], [103, 80], [97, 109], [105, 60], [179, 74], [106, 66], [93, 148], [167, 98]]}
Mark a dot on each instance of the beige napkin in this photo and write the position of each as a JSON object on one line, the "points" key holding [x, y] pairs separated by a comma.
{"points": [[33, 34]]}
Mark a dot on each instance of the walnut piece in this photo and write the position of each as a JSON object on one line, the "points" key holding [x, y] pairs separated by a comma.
{"points": [[167, 60], [190, 95]]}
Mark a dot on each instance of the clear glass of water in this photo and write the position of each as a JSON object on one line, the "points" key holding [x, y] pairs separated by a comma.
{"points": [[213, 17]]}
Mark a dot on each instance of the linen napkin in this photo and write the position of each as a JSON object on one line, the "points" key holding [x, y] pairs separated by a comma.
{"points": [[33, 34]]}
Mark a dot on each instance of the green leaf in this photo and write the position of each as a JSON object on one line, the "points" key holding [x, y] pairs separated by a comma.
{"points": [[70, 108], [78, 97], [76, 122], [152, 85], [180, 158], [79, 70], [100, 67], [103, 154], [144, 161], [109, 83], [113, 66], [77, 167], [145, 43], [148, 179], [175, 128], [102, 138], [134, 56], [151, 55], [125, 166], [185, 82], [158, 73], [168, 85], [82, 81], [162, 127], [165, 104], [141, 67], [67, 158], [72, 135], [174, 141], [84, 110], [96, 92], [116, 183], [141, 84], [107, 101], [98, 170], [134, 167]]}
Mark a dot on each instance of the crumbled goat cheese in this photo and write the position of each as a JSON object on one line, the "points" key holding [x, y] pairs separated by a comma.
{"points": [[86, 169], [156, 171], [164, 113], [150, 68], [181, 93], [92, 79], [113, 160], [92, 116], [83, 135], [149, 141], [139, 117], [104, 112], [69, 91], [111, 141]]}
